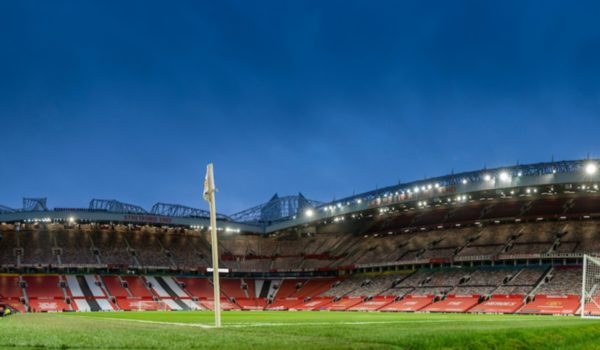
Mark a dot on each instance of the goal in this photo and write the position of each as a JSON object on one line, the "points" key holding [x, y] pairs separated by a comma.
{"points": [[590, 287]]}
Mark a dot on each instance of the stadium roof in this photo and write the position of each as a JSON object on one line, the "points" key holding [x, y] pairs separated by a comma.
{"points": [[289, 211]]}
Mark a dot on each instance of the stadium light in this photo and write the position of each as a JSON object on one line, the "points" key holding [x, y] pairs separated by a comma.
{"points": [[504, 176], [591, 168], [487, 177], [309, 213], [465, 181]]}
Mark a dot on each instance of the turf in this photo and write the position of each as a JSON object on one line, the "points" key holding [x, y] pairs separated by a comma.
{"points": [[297, 330]]}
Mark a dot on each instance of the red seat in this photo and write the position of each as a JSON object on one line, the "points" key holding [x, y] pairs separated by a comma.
{"points": [[373, 304], [47, 305], [284, 304], [137, 287], [252, 304], [46, 286], [314, 287], [114, 286], [314, 304], [197, 287], [343, 304], [409, 303], [9, 288], [225, 305], [454, 304], [134, 304], [552, 305], [232, 288], [500, 304], [288, 288]]}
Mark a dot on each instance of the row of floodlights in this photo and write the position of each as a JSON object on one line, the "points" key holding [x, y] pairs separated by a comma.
{"points": [[193, 227], [226, 229], [590, 168]]}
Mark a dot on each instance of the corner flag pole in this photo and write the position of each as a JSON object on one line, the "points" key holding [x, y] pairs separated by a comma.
{"points": [[209, 195]]}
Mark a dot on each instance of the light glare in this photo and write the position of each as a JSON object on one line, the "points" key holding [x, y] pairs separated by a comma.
{"points": [[591, 168]]}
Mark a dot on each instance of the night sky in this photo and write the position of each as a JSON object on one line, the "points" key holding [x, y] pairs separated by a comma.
{"points": [[131, 99]]}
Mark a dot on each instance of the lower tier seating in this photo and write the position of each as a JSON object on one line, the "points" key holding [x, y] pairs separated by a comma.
{"points": [[409, 304], [500, 304], [552, 305], [422, 291], [453, 304]]}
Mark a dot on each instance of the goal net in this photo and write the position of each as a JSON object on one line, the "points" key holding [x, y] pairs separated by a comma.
{"points": [[590, 288]]}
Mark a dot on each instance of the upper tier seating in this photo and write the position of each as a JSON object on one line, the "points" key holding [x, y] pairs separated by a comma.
{"points": [[76, 247], [7, 248], [184, 251], [112, 247], [37, 247], [148, 249], [314, 287]]}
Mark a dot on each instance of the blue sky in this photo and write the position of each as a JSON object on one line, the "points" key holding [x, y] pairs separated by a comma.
{"points": [[131, 99]]}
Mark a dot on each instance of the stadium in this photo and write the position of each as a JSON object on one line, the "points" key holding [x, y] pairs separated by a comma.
{"points": [[315, 174], [504, 241]]}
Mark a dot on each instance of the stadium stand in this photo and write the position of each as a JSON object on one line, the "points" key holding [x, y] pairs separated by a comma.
{"points": [[510, 250], [283, 304], [75, 247], [37, 247], [410, 303], [313, 304], [500, 304], [372, 304], [552, 305], [562, 281], [343, 304], [453, 303]]}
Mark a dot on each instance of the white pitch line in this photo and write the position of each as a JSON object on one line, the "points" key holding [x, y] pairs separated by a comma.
{"points": [[182, 324], [268, 324], [279, 324]]}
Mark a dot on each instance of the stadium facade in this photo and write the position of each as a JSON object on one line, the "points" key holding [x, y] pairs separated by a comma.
{"points": [[500, 240]]}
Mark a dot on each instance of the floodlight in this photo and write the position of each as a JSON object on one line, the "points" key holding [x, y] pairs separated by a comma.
{"points": [[504, 176], [309, 213], [591, 168]]}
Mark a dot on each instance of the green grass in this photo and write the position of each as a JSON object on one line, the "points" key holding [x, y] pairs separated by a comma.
{"points": [[296, 330]]}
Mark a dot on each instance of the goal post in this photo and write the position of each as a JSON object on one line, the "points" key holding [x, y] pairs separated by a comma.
{"points": [[590, 287]]}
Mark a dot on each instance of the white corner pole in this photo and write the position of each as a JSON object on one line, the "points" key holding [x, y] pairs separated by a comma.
{"points": [[213, 240]]}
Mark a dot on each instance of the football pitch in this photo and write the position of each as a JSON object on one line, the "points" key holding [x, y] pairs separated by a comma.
{"points": [[296, 330]]}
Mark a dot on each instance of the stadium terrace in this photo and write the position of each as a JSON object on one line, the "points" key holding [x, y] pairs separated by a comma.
{"points": [[503, 240]]}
